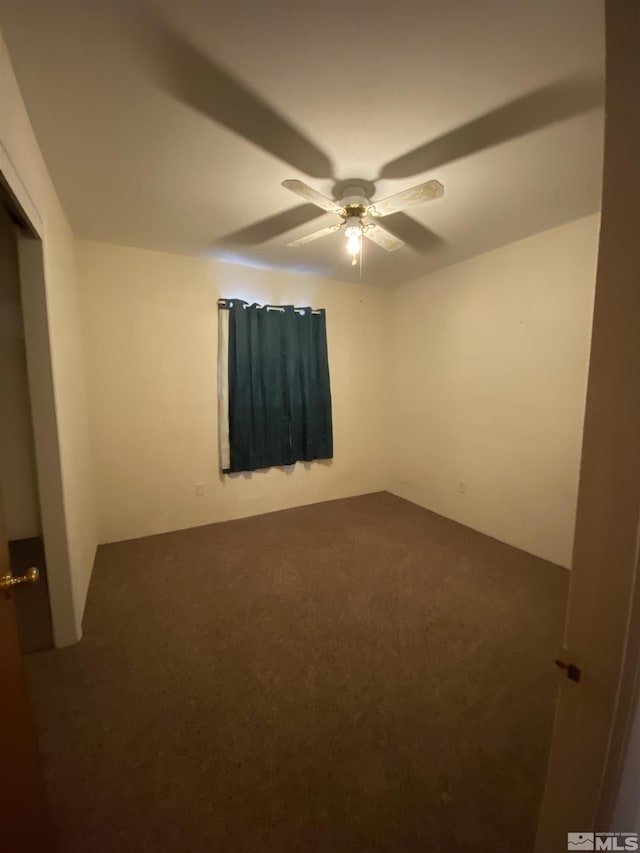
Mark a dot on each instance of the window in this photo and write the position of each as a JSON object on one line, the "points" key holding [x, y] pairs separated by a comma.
{"points": [[274, 389]]}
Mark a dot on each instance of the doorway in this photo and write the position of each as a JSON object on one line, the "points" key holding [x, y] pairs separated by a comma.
{"points": [[28, 315], [18, 470]]}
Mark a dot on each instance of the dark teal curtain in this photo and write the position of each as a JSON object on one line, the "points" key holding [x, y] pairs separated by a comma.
{"points": [[279, 390]]}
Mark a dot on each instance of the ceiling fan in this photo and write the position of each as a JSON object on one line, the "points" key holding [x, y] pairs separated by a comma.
{"points": [[195, 78], [359, 215]]}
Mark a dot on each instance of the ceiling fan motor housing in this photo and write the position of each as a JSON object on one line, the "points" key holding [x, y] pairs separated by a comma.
{"points": [[355, 203]]}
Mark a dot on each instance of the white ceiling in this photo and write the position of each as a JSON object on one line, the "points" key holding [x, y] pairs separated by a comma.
{"points": [[173, 127]]}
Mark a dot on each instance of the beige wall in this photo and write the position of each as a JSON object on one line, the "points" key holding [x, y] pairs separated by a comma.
{"points": [[151, 322], [18, 485], [489, 365], [51, 317]]}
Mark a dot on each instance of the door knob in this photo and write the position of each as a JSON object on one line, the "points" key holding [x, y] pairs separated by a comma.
{"points": [[8, 581]]}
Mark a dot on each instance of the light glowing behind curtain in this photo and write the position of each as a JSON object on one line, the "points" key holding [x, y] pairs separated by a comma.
{"points": [[274, 391]]}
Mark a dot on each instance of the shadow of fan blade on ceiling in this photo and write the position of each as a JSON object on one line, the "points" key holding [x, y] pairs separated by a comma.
{"points": [[197, 80], [272, 226], [411, 232], [541, 108]]}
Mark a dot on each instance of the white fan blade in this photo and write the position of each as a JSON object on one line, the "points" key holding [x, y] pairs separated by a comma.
{"points": [[377, 234], [315, 235], [312, 195], [407, 198]]}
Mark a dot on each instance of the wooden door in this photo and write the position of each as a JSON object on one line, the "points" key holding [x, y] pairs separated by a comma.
{"points": [[602, 635], [25, 823]]}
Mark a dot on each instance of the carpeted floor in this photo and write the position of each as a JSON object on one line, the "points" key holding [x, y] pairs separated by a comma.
{"points": [[358, 675]]}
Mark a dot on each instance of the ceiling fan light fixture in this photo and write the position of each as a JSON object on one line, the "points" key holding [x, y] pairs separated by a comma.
{"points": [[353, 244], [353, 227], [353, 233]]}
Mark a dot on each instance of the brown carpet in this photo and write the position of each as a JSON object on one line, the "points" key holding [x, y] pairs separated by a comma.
{"points": [[358, 675]]}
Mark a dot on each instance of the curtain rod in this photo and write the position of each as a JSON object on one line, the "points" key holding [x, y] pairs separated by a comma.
{"points": [[224, 303]]}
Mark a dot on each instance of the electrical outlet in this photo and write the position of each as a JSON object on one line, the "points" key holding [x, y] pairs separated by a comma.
{"points": [[462, 487], [199, 489]]}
